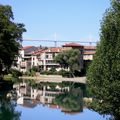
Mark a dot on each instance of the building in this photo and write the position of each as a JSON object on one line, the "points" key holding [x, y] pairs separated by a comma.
{"points": [[89, 52], [43, 58], [46, 58], [24, 58], [73, 46], [36, 58]]}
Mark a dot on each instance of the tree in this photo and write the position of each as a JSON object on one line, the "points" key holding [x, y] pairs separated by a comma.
{"points": [[61, 58], [104, 72], [10, 37], [7, 108], [70, 58]]}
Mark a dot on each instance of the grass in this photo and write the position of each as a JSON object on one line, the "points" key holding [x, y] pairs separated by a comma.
{"points": [[8, 77]]}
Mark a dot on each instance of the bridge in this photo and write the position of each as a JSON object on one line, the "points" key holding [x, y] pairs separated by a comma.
{"points": [[61, 41]]}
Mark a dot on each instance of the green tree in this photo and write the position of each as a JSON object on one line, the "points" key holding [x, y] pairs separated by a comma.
{"points": [[62, 58], [70, 58], [10, 37], [104, 72], [7, 108]]}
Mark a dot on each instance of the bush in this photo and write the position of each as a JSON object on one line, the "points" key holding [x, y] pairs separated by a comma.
{"points": [[52, 71], [8, 77], [15, 73], [32, 71], [48, 72], [61, 72], [34, 68], [66, 74]]}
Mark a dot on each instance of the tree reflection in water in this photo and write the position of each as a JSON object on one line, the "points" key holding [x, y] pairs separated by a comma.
{"points": [[7, 108], [67, 96], [71, 101]]}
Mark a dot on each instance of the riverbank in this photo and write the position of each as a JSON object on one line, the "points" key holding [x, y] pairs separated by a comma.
{"points": [[54, 78]]}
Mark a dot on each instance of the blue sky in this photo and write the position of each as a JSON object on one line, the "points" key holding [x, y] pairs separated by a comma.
{"points": [[70, 20]]}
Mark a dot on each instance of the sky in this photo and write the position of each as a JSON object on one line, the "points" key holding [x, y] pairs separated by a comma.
{"points": [[39, 113], [62, 20]]}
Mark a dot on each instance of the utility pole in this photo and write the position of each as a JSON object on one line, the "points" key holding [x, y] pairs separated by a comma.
{"points": [[55, 37]]}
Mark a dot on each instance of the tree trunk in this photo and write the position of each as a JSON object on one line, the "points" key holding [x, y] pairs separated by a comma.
{"points": [[1, 72]]}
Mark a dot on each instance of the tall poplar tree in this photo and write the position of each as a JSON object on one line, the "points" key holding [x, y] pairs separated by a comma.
{"points": [[10, 37], [104, 72]]}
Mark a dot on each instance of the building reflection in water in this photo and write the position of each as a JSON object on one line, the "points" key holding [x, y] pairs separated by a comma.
{"points": [[66, 96]]}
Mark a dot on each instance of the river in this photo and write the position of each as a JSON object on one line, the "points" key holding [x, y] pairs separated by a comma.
{"points": [[45, 101]]}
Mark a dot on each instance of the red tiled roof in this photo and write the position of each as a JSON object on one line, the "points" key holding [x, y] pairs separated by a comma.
{"points": [[38, 52], [26, 47], [72, 45], [53, 50], [90, 47]]}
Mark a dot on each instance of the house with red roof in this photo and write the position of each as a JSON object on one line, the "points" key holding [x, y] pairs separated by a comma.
{"points": [[89, 52], [73, 46], [24, 58], [45, 58]]}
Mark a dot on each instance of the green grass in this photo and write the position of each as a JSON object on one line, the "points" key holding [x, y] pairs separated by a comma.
{"points": [[8, 77]]}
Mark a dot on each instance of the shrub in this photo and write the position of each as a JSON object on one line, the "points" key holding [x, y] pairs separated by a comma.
{"points": [[15, 73], [66, 74]]}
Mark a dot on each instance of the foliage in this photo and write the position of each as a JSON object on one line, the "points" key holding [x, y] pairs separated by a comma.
{"points": [[7, 109], [10, 37], [104, 72], [31, 72], [48, 72], [31, 83], [65, 73], [15, 73], [69, 59], [62, 58], [86, 66], [34, 68], [52, 71], [8, 77], [62, 72], [70, 101]]}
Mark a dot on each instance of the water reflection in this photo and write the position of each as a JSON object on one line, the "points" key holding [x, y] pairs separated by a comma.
{"points": [[7, 107], [66, 96], [71, 101], [36, 101]]}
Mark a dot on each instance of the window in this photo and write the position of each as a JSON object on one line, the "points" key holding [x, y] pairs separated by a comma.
{"points": [[47, 56]]}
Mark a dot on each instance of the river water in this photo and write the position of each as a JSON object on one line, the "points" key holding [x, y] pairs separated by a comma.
{"points": [[45, 101]]}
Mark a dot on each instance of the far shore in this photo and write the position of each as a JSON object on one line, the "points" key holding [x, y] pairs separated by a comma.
{"points": [[54, 78]]}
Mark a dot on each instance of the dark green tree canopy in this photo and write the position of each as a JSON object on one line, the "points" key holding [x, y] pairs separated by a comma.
{"points": [[104, 72], [7, 108], [70, 58], [10, 36]]}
